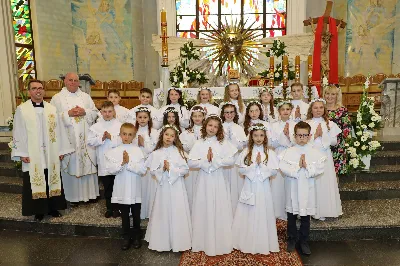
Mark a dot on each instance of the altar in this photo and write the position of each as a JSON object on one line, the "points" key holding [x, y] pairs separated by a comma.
{"points": [[248, 94]]}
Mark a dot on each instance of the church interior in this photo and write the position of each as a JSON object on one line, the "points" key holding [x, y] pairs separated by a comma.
{"points": [[124, 46]]}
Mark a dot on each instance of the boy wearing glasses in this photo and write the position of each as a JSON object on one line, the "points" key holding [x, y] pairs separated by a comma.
{"points": [[300, 165]]}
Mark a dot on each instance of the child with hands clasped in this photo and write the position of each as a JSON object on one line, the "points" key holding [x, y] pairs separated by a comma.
{"points": [[283, 138], [234, 134], [104, 135], [170, 224], [188, 138], [254, 225], [127, 163], [300, 108], [301, 165], [324, 136], [212, 212], [146, 139]]}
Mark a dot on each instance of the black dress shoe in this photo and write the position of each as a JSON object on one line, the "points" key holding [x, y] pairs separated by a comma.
{"points": [[126, 244], [93, 200], [291, 245], [74, 204], [108, 214], [137, 243], [55, 214], [305, 248], [116, 214], [39, 217]]}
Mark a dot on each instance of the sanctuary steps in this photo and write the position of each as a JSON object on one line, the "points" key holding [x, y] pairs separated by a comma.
{"points": [[371, 205]]}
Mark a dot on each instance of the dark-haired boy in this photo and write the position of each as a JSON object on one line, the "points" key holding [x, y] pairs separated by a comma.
{"points": [[300, 165]]}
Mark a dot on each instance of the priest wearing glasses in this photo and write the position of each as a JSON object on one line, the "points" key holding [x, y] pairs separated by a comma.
{"points": [[39, 143]]}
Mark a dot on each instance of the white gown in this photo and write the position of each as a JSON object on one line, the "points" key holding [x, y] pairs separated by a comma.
{"points": [[188, 138], [149, 185], [235, 134], [79, 173], [170, 225], [212, 211], [121, 114], [254, 225], [183, 113], [300, 182], [154, 113], [327, 189], [280, 143], [127, 188], [95, 137], [303, 110]]}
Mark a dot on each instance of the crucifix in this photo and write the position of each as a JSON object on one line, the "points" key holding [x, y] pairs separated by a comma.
{"points": [[326, 36]]}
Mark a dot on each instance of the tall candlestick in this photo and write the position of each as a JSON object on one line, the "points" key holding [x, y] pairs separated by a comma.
{"points": [[271, 75], [297, 69], [164, 37], [285, 76], [310, 66]]}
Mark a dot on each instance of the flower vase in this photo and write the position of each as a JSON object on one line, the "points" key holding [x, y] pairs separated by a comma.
{"points": [[367, 161]]}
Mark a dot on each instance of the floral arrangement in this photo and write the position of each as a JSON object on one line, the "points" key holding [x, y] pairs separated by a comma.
{"points": [[278, 50], [361, 145], [182, 74]]}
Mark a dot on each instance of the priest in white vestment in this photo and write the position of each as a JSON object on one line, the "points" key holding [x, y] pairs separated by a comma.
{"points": [[78, 112], [38, 143]]}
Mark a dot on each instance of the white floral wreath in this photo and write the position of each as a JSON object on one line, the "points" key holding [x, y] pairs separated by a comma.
{"points": [[256, 127], [170, 126], [253, 101], [282, 103], [142, 109], [226, 103], [174, 88], [318, 100], [198, 110], [265, 89], [204, 88], [215, 116], [172, 110]]}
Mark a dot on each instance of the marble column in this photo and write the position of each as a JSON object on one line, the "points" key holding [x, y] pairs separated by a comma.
{"points": [[8, 68]]}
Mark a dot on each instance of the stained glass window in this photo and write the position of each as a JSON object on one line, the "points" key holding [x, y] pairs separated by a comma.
{"points": [[197, 16], [23, 37]]}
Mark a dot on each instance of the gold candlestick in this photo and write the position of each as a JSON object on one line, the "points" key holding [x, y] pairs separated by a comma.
{"points": [[271, 75], [285, 68], [297, 69], [164, 37]]}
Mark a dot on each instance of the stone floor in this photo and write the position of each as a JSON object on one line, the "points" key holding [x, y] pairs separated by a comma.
{"points": [[22, 248]]}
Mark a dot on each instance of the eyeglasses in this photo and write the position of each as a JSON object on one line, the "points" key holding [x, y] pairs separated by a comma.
{"points": [[228, 113], [302, 135]]}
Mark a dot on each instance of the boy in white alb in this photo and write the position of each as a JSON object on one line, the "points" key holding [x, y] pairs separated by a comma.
{"points": [[300, 108], [120, 111], [104, 135], [300, 165], [126, 162], [145, 97]]}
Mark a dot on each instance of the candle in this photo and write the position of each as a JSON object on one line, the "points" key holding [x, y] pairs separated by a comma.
{"points": [[310, 59], [297, 60], [163, 15], [310, 66], [297, 69], [285, 60], [271, 75], [271, 61]]}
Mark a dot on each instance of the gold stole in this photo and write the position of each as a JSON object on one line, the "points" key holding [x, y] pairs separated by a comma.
{"points": [[36, 171]]}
